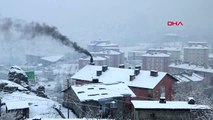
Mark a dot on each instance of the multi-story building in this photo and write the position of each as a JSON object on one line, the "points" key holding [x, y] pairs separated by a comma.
{"points": [[196, 53], [135, 57], [100, 45], [97, 60], [111, 52], [175, 53], [114, 58], [155, 61]]}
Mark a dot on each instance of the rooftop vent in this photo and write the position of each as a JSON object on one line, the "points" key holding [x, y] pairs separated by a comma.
{"points": [[162, 100], [191, 100], [95, 80], [131, 77], [91, 61], [80, 92], [154, 73], [102, 88], [138, 67], [93, 94], [136, 72], [104, 68], [90, 88], [99, 73], [121, 66]]}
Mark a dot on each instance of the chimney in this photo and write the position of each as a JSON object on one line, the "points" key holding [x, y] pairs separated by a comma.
{"points": [[136, 72], [104, 68], [99, 72], [95, 80], [191, 101], [121, 66], [91, 61], [154, 73], [138, 67], [131, 77], [162, 100]]}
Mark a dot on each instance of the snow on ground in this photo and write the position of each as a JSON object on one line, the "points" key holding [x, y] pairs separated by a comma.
{"points": [[38, 106], [12, 84]]}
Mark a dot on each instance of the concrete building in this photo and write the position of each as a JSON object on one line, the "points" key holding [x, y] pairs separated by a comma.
{"points": [[114, 58], [134, 57], [101, 45], [196, 54], [155, 61], [108, 50], [174, 53], [145, 84], [97, 60]]}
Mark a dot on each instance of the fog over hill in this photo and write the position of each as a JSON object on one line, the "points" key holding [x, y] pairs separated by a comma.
{"points": [[119, 21]]}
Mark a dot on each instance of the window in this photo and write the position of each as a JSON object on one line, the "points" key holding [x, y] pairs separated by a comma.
{"points": [[162, 91]]}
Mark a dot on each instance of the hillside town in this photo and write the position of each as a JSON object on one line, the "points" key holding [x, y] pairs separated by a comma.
{"points": [[106, 60], [159, 83]]}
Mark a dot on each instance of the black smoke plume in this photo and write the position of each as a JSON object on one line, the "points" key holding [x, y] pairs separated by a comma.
{"points": [[34, 29]]}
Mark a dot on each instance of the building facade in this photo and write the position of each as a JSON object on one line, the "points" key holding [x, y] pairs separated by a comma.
{"points": [[196, 54], [168, 110], [175, 53], [155, 61], [98, 100]]}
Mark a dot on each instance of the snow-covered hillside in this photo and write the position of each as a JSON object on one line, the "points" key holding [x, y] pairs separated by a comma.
{"points": [[38, 107]]}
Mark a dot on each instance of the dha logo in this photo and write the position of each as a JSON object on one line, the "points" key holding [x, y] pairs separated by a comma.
{"points": [[172, 23]]}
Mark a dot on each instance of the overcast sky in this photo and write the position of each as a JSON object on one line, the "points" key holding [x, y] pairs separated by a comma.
{"points": [[116, 20]]}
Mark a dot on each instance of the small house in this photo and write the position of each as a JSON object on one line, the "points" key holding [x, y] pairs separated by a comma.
{"points": [[99, 100], [168, 110], [20, 107], [145, 84]]}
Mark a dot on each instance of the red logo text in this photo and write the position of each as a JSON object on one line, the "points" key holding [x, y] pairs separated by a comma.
{"points": [[172, 23]]}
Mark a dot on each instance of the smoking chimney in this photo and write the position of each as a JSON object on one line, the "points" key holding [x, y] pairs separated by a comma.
{"points": [[91, 60], [136, 72], [34, 29]]}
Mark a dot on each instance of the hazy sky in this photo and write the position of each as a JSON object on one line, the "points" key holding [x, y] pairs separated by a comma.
{"points": [[120, 21], [116, 20]]}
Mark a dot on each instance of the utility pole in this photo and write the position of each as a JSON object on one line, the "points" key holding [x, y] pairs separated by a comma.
{"points": [[68, 85], [0, 106]]}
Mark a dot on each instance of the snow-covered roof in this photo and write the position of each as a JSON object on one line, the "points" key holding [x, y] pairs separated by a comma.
{"points": [[138, 104], [167, 49], [186, 78], [16, 105], [196, 47], [53, 58], [107, 45], [95, 58], [12, 84], [156, 55], [38, 106], [101, 91], [192, 67], [143, 80], [107, 52]]}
